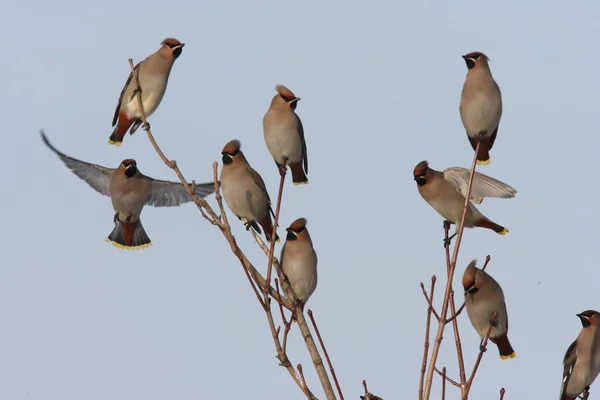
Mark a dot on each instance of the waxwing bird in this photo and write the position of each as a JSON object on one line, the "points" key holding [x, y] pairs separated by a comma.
{"points": [[483, 298], [370, 396], [445, 192], [480, 105], [153, 75], [582, 359], [245, 192], [284, 134], [129, 190], [299, 261]]}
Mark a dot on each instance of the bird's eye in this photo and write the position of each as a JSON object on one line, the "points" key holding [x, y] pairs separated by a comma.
{"points": [[170, 45], [300, 230], [286, 99], [476, 56]]}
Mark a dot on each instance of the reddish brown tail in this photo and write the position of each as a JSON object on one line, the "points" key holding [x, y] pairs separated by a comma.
{"points": [[129, 236], [298, 175], [504, 347], [483, 155], [486, 223], [116, 138], [267, 226]]}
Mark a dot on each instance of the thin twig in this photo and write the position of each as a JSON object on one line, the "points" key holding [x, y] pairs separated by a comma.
{"points": [[445, 303], [364, 382], [314, 323], [481, 351], [502, 391], [444, 383], [487, 261], [427, 330], [431, 308], [225, 228], [454, 314], [457, 313], [306, 391], [275, 224], [452, 381]]}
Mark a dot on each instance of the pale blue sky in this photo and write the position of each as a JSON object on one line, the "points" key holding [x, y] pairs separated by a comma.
{"points": [[380, 86]]}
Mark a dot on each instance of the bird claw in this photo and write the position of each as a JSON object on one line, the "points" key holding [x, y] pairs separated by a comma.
{"points": [[146, 126], [482, 348], [446, 224], [116, 217], [248, 225], [127, 220]]}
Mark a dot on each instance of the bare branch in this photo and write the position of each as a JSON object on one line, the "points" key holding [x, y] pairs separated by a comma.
{"points": [[207, 212], [502, 391], [487, 261], [429, 300], [452, 381], [314, 323], [305, 388], [430, 309], [275, 225], [444, 383], [482, 350], [451, 268]]}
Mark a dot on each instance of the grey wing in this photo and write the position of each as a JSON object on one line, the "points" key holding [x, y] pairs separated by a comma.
{"points": [[172, 194], [568, 364], [116, 116], [304, 151], [483, 185], [96, 176]]}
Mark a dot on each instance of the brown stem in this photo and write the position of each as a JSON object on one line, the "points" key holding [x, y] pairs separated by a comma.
{"points": [[314, 323], [457, 313], [444, 383], [452, 381], [481, 351], [459, 352], [502, 391], [364, 382], [225, 228], [305, 388], [275, 224], [451, 268], [487, 261], [430, 309]]}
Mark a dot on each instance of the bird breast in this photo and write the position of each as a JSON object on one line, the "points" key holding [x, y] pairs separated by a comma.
{"points": [[282, 137], [244, 197], [300, 266]]}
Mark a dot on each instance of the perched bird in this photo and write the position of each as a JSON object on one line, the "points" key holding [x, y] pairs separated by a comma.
{"points": [[129, 190], [299, 261], [284, 134], [480, 105], [153, 75], [582, 360], [370, 396], [245, 192], [483, 297], [445, 192]]}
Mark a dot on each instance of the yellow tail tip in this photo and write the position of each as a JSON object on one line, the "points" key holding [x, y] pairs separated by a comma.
{"points": [[503, 232], [114, 143], [484, 162], [512, 355], [300, 183], [123, 247]]}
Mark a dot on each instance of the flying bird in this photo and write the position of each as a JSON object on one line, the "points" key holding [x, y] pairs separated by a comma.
{"points": [[582, 359], [153, 75], [284, 134], [245, 192], [129, 190], [483, 298], [480, 105], [445, 192]]}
